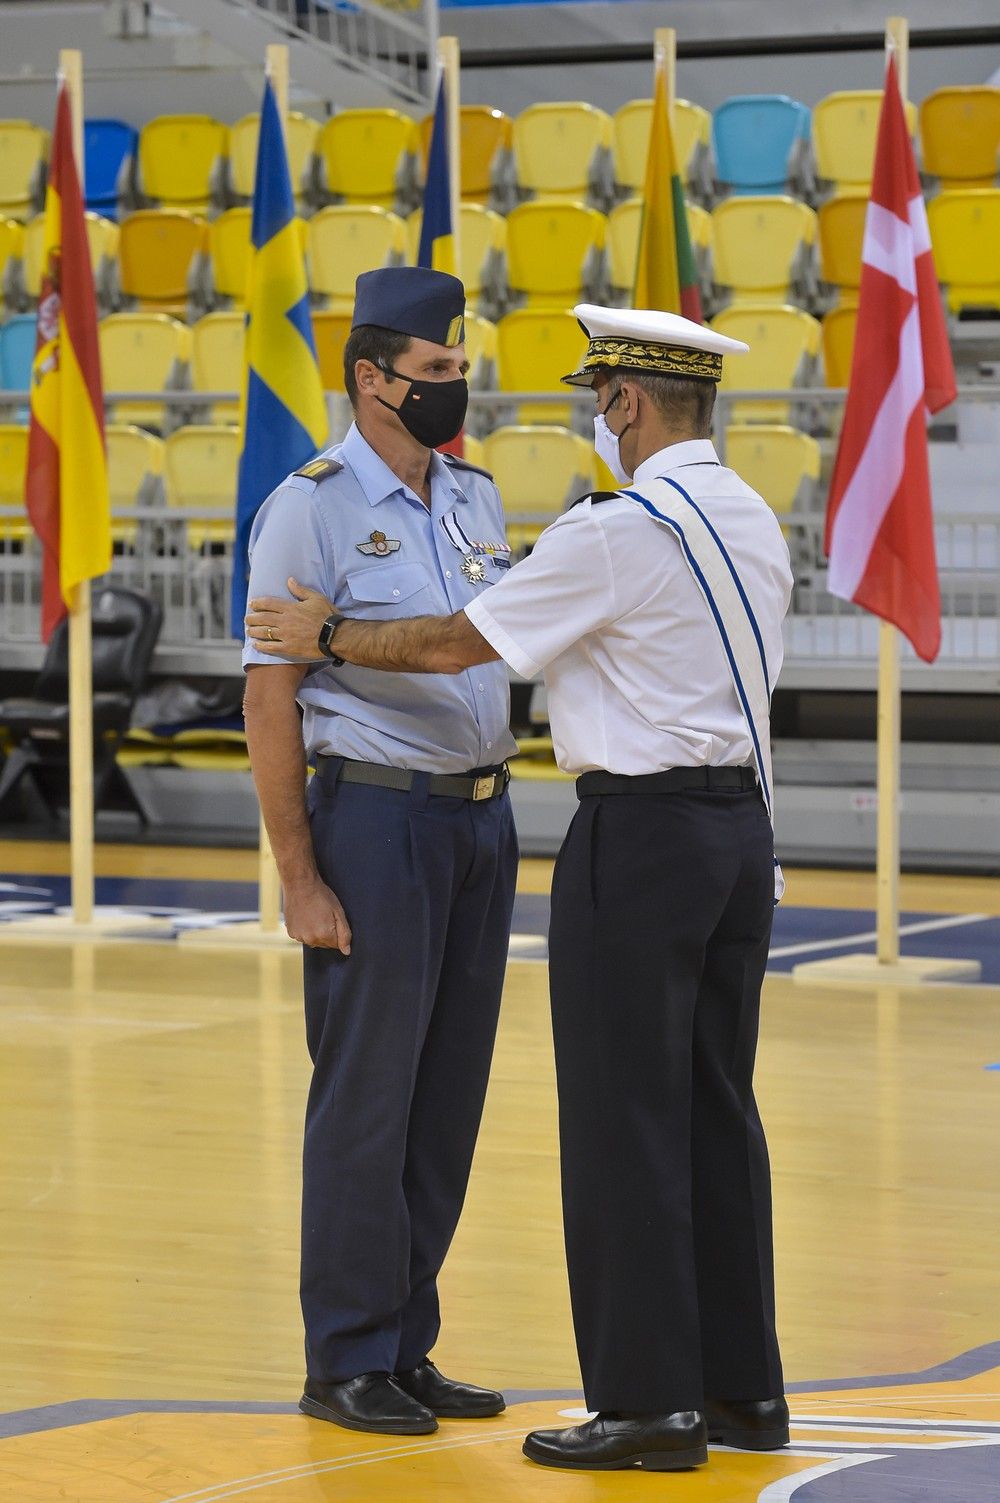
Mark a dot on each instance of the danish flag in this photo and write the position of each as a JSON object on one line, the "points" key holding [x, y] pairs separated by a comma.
{"points": [[879, 529]]}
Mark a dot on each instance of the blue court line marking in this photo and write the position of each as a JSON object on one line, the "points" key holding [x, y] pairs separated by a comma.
{"points": [[980, 1359], [992, 1067]]}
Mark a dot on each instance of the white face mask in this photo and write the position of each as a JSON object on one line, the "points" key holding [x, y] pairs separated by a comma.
{"points": [[607, 445]]}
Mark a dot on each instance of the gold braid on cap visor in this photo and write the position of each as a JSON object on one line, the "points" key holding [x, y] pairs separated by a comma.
{"points": [[662, 359]]}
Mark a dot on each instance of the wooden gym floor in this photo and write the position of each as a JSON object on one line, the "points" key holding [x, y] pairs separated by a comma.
{"points": [[151, 1100]]}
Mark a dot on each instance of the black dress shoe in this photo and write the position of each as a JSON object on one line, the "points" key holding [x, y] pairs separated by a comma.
{"points": [[659, 1442], [446, 1399], [749, 1425], [371, 1401]]}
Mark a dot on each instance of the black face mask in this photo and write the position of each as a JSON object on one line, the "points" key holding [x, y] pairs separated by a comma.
{"points": [[432, 411]]}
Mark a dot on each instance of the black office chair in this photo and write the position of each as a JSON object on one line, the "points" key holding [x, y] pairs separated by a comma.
{"points": [[125, 630]]}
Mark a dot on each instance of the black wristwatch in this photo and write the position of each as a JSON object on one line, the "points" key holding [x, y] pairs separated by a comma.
{"points": [[326, 632]]}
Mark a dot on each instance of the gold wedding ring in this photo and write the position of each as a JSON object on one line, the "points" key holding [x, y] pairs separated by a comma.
{"points": [[270, 634]]}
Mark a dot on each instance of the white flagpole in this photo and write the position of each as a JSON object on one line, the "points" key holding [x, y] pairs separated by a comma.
{"points": [[449, 62], [889, 734], [81, 700], [268, 883]]}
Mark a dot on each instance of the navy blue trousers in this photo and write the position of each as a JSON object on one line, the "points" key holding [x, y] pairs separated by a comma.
{"points": [[401, 1037], [661, 917]]}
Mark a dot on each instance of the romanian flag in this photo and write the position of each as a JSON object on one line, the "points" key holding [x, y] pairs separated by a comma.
{"points": [[283, 414], [66, 487], [666, 277], [437, 242]]}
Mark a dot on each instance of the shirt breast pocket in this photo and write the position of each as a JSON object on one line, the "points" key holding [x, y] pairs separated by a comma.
{"points": [[383, 591]]}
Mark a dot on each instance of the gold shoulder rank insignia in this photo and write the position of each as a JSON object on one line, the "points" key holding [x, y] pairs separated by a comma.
{"points": [[318, 469]]}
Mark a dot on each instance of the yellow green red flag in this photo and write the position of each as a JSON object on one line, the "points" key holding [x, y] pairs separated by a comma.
{"points": [[66, 487], [666, 276]]}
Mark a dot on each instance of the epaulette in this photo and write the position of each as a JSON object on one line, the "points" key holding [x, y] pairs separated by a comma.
{"points": [[319, 469], [596, 496], [463, 464]]}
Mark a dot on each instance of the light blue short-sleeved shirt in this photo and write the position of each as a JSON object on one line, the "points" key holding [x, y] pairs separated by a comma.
{"points": [[372, 547]]}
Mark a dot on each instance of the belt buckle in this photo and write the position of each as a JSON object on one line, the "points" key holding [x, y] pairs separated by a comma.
{"points": [[484, 787]]}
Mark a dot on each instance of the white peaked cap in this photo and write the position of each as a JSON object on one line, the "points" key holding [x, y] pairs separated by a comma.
{"points": [[644, 339]]}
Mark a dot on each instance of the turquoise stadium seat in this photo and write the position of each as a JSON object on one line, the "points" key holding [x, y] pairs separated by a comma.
{"points": [[17, 353], [109, 148], [756, 139]]}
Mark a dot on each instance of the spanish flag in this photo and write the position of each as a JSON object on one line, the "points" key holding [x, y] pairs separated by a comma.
{"points": [[66, 488], [437, 242], [283, 410], [666, 277]]}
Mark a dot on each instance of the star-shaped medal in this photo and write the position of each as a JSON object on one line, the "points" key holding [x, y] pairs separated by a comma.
{"points": [[473, 568]]}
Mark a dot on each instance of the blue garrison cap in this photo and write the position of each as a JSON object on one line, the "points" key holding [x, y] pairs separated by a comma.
{"points": [[412, 300]]}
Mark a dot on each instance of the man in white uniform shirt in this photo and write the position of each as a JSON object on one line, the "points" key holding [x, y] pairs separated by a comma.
{"points": [[662, 894]]}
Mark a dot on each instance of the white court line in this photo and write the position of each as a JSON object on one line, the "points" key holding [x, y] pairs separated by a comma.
{"points": [[863, 1422], [237, 1486], [782, 1489], [952, 921]]}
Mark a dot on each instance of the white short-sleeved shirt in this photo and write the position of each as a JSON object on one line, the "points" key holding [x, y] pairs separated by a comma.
{"points": [[607, 610]]}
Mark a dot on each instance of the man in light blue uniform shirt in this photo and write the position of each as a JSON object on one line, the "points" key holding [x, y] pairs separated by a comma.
{"points": [[398, 866]]}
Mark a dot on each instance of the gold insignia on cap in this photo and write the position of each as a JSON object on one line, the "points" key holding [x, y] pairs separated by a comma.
{"points": [[456, 331], [661, 359]]}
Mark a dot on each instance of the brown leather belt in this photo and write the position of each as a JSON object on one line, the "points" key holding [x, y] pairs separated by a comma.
{"points": [[673, 780], [479, 784]]}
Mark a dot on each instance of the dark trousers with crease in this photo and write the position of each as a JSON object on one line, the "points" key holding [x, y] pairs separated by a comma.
{"points": [[661, 919], [401, 1037]]}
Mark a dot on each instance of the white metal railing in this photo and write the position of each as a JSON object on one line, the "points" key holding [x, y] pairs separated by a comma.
{"points": [[192, 580], [389, 40]]}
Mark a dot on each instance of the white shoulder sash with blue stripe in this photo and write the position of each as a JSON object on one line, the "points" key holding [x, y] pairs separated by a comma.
{"points": [[713, 571]]}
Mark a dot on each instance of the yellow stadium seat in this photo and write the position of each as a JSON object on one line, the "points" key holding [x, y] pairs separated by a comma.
{"points": [[217, 342], [535, 349], [784, 344], [135, 464], [483, 239], [564, 149], [481, 351], [143, 352], [369, 156], [182, 160], [330, 331], [200, 470], [838, 344], [965, 234], [624, 223], [779, 463], [539, 471], [300, 140], [343, 241], [692, 133], [764, 248], [960, 135], [555, 253], [13, 464], [487, 136], [229, 251], [103, 238], [844, 127], [841, 238], [11, 264], [162, 256], [473, 450], [24, 151]]}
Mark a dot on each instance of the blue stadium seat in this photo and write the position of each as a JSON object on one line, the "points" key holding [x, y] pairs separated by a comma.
{"points": [[759, 140], [108, 147], [17, 353]]}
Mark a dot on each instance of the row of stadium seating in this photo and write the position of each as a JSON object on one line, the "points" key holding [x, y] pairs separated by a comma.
{"points": [[539, 471], [764, 143], [548, 253], [528, 351]]}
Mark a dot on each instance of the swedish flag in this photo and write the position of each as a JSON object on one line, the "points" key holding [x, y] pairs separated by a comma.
{"points": [[283, 411], [437, 242]]}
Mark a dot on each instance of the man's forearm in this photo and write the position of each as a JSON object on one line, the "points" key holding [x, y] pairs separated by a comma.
{"points": [[277, 757], [417, 644]]}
